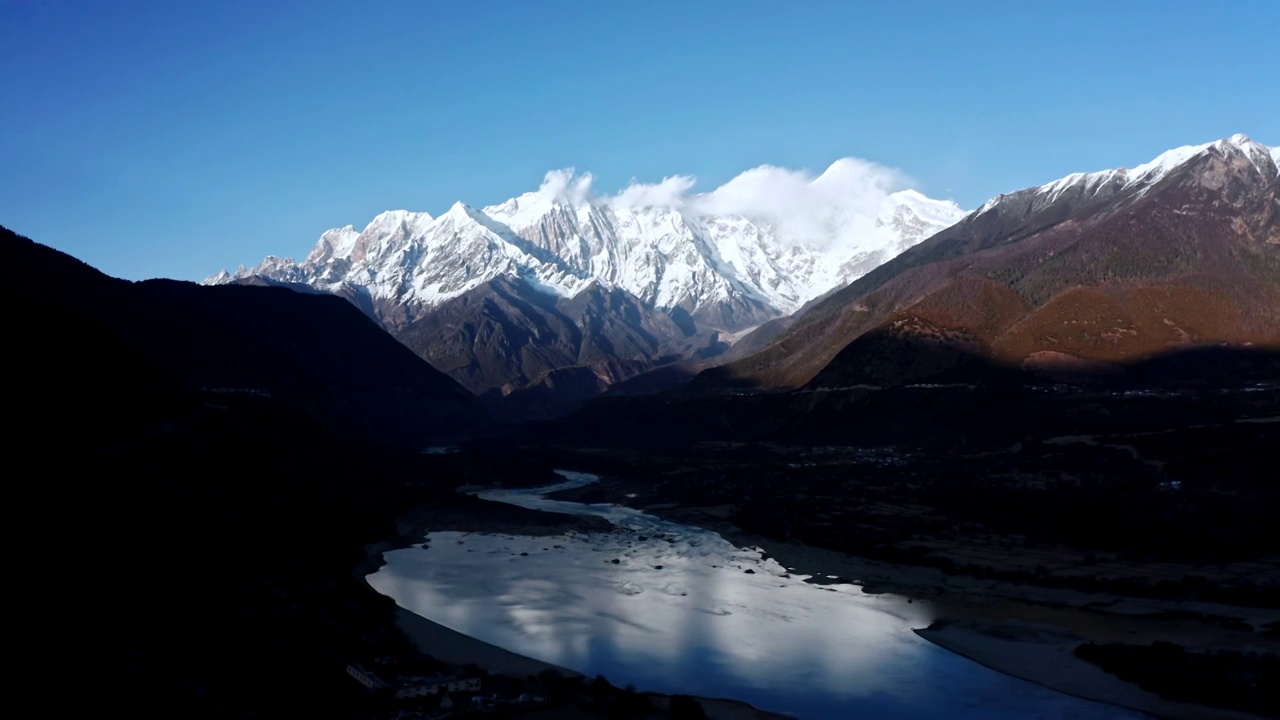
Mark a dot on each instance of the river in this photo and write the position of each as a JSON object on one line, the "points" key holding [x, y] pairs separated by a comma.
{"points": [[678, 609]]}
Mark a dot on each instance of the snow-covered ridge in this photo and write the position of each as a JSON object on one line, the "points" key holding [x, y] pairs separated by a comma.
{"points": [[771, 237], [1265, 159]]}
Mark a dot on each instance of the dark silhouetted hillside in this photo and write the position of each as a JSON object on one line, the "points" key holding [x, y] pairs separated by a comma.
{"points": [[203, 469], [314, 351]]}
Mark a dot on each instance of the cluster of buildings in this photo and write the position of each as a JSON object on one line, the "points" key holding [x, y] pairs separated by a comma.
{"points": [[414, 686]]}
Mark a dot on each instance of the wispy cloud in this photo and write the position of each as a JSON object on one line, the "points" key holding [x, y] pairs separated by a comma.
{"points": [[672, 192], [566, 186], [841, 202]]}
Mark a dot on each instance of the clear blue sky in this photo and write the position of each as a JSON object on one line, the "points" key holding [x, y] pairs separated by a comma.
{"points": [[176, 138]]}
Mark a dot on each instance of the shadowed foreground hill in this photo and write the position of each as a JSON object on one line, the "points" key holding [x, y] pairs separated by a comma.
{"points": [[1091, 271], [532, 355], [200, 480], [315, 352]]}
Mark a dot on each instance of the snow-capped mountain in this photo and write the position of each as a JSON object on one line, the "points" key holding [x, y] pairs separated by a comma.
{"points": [[728, 270], [1098, 269], [1106, 184]]}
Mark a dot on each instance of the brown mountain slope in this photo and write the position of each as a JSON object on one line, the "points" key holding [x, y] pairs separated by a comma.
{"points": [[1106, 272]]}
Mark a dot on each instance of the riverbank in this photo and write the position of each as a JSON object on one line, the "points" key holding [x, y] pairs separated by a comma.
{"points": [[1024, 631], [1044, 655], [1019, 617], [471, 514], [466, 513], [454, 647]]}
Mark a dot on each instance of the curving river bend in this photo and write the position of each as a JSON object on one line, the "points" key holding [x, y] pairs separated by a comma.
{"points": [[678, 609]]}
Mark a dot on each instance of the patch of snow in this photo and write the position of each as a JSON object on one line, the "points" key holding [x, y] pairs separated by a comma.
{"points": [[1149, 173]]}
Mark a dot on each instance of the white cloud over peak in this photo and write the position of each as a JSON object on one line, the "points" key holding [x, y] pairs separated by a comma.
{"points": [[672, 192], [567, 187], [842, 202]]}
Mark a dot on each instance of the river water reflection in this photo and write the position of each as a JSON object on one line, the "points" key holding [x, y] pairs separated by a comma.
{"points": [[678, 609]]}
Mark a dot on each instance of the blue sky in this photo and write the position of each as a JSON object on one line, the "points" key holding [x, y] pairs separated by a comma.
{"points": [[176, 138]]}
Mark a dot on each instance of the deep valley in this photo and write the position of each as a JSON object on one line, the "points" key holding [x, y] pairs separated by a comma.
{"points": [[1040, 436]]}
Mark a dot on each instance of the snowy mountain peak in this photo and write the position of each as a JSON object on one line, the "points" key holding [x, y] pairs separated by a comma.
{"points": [[841, 170], [1105, 182], [1245, 144], [935, 211], [1175, 158], [395, 218], [1262, 157], [916, 196], [531, 208], [763, 244], [458, 212], [336, 243], [219, 278]]}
